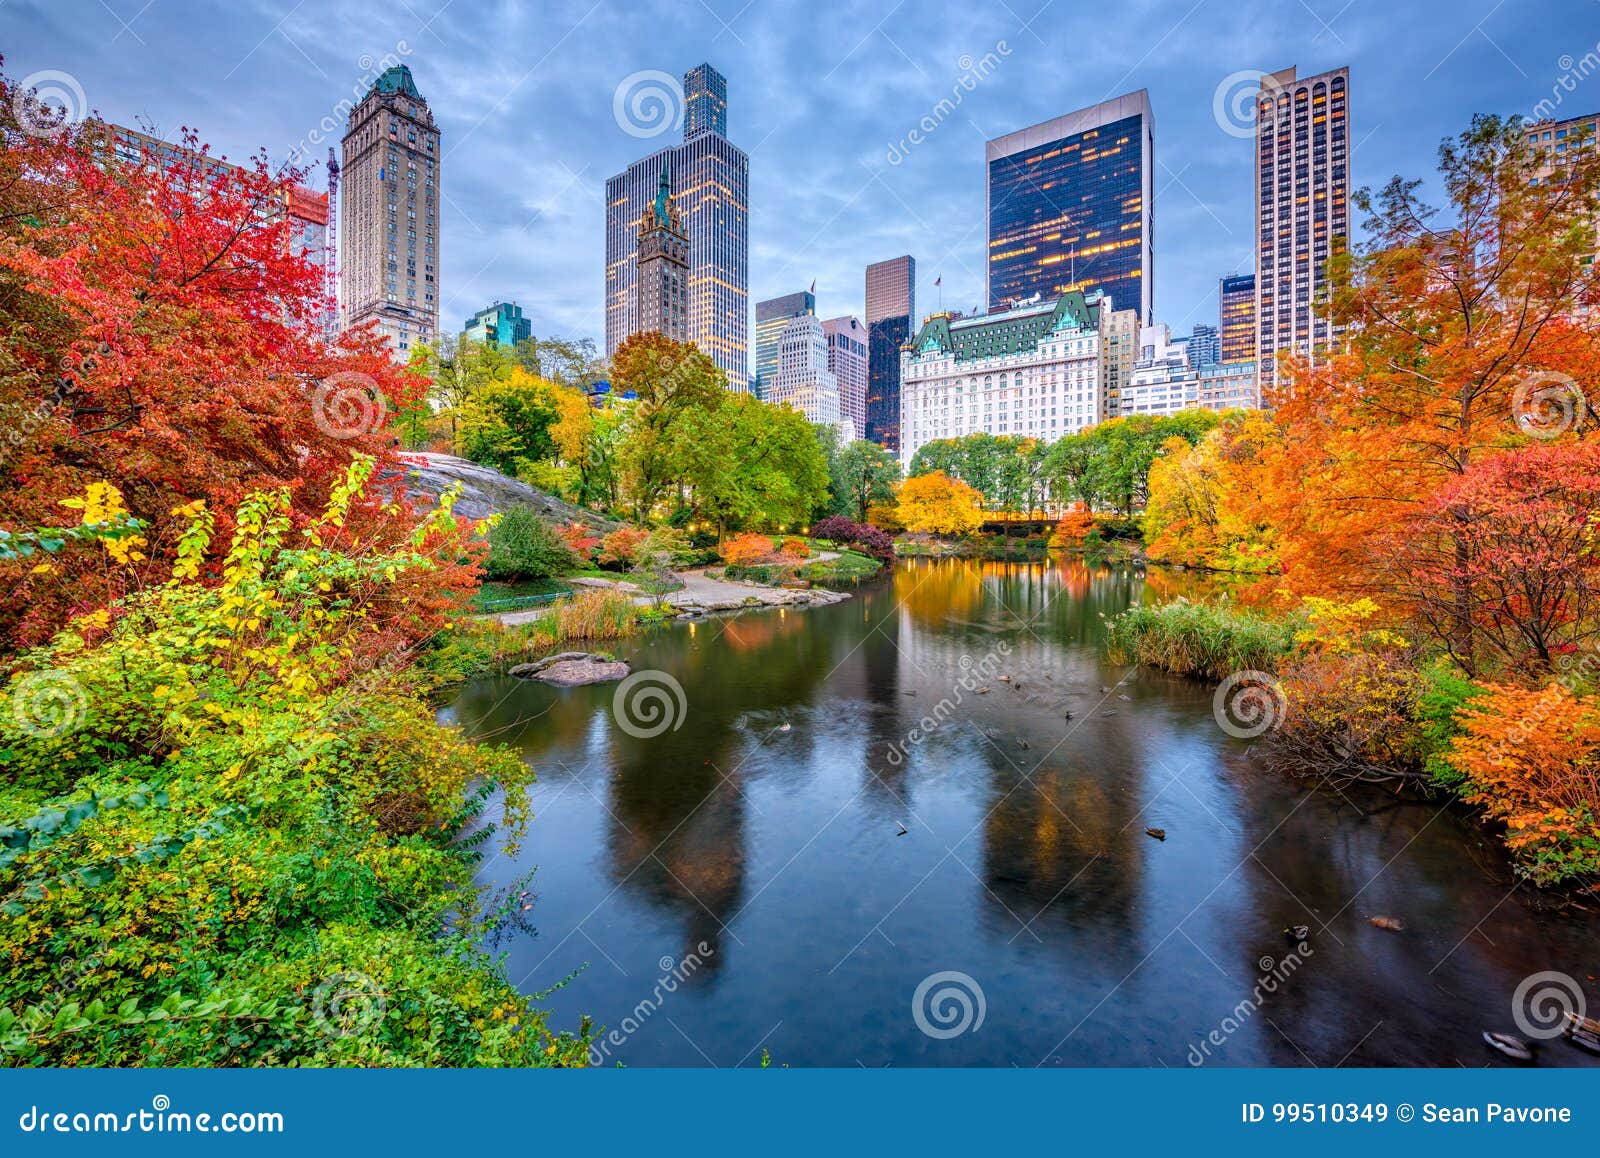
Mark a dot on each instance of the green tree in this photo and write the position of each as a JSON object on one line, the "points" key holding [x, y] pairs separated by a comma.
{"points": [[674, 381], [862, 473], [508, 421], [748, 462]]}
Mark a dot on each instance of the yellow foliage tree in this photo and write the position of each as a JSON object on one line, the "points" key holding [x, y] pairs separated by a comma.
{"points": [[1202, 509], [940, 505]]}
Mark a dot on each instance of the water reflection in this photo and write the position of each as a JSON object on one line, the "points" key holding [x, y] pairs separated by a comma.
{"points": [[971, 705]]}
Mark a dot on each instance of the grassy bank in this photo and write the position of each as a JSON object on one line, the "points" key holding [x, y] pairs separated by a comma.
{"points": [[482, 645], [1199, 639]]}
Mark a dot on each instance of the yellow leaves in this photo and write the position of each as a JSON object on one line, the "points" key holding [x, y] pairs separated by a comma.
{"points": [[42, 569]]}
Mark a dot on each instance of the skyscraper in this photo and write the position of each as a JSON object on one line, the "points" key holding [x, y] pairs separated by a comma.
{"points": [[1302, 210], [1205, 348], [389, 232], [771, 317], [847, 358], [1070, 203], [711, 182], [802, 379], [1236, 299], [662, 291], [500, 324], [705, 102], [891, 298]]}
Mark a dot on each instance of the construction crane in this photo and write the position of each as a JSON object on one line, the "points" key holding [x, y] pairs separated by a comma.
{"points": [[330, 261]]}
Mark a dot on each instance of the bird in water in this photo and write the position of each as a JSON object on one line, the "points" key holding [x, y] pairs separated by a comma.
{"points": [[1297, 934], [1158, 833], [1512, 1047], [900, 824]]}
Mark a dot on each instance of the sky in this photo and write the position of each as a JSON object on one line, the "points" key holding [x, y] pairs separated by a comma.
{"points": [[533, 98]]}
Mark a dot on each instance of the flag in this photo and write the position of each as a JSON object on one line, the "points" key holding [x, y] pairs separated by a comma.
{"points": [[813, 285], [939, 280]]}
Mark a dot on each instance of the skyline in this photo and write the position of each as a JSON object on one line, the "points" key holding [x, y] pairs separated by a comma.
{"points": [[825, 109]]}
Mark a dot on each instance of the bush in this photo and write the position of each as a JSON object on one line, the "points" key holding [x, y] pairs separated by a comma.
{"points": [[1351, 715], [1200, 639], [744, 550], [1069, 532], [622, 546], [794, 549], [580, 540], [872, 541], [523, 546]]}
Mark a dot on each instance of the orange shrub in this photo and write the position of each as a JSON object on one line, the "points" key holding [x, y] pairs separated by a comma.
{"points": [[747, 549], [1531, 758], [622, 545], [1074, 525], [793, 548]]}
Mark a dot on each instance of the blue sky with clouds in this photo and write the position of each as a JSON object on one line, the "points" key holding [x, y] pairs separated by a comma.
{"points": [[822, 95]]}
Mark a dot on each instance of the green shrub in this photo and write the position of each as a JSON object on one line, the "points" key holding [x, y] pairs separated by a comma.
{"points": [[523, 546], [1444, 692]]}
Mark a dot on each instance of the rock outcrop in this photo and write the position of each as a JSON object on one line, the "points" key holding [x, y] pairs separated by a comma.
{"points": [[485, 491]]}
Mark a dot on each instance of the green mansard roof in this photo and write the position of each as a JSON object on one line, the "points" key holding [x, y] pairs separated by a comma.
{"points": [[396, 80], [1012, 331]]}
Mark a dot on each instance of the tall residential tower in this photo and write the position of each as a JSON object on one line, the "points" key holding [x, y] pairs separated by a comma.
{"points": [[1302, 210], [1069, 206], [711, 189], [389, 205], [891, 312]]}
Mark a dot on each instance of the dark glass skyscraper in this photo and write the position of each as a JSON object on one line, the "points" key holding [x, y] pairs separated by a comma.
{"points": [[772, 316], [1070, 205], [705, 102], [891, 312]]}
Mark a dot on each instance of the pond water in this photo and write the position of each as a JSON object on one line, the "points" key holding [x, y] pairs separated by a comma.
{"points": [[740, 882]]}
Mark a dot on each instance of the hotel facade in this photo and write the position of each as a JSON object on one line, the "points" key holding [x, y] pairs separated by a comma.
{"points": [[1032, 370]]}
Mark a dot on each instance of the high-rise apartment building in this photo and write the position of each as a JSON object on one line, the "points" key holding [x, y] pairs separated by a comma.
{"points": [[1070, 204], [802, 378], [1167, 378], [389, 214], [772, 316], [847, 358], [500, 324], [1560, 142], [662, 289], [891, 299], [1204, 346], [1302, 211], [711, 189], [1031, 369], [1236, 310], [1119, 351]]}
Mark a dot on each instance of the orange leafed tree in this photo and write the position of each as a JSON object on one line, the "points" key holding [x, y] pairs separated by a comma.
{"points": [[1462, 337], [163, 335]]}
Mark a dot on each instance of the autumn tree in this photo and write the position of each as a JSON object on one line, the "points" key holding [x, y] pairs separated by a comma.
{"points": [[1462, 337], [163, 334], [673, 381], [937, 504], [1198, 511], [508, 421]]}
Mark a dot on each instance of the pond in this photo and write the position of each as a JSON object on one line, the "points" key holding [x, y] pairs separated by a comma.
{"points": [[838, 850]]}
